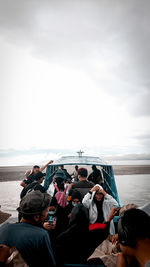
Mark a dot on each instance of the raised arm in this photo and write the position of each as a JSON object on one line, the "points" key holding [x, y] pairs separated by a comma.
{"points": [[43, 167]]}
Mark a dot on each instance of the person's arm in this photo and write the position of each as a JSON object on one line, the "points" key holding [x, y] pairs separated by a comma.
{"points": [[111, 200], [4, 254], [23, 184], [43, 167], [112, 213]]}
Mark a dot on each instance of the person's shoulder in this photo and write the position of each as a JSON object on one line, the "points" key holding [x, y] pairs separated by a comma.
{"points": [[89, 182]]}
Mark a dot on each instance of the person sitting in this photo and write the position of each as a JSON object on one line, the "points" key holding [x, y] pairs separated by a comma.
{"points": [[31, 177], [75, 200], [134, 238], [72, 245], [83, 186], [95, 176], [56, 221], [28, 236], [99, 204], [36, 185]]}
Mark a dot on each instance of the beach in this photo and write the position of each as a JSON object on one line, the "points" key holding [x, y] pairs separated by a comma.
{"points": [[16, 173]]}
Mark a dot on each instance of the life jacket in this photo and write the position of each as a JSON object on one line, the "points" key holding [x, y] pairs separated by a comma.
{"points": [[61, 196]]}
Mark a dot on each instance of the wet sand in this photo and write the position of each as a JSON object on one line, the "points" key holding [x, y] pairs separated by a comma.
{"points": [[17, 173]]}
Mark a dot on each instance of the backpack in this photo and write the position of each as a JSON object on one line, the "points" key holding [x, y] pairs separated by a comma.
{"points": [[28, 189], [61, 196]]}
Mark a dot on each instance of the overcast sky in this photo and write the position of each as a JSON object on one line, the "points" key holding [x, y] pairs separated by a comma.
{"points": [[74, 74]]}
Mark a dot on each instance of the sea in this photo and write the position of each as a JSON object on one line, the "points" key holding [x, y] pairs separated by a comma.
{"points": [[131, 189]]}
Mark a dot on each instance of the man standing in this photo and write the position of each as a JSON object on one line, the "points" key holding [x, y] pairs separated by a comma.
{"points": [[35, 170], [28, 236], [83, 186]]}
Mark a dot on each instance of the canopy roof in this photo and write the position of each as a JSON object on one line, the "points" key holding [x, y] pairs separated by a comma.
{"points": [[79, 160]]}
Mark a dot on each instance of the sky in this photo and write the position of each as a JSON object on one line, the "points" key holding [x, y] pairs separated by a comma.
{"points": [[73, 75]]}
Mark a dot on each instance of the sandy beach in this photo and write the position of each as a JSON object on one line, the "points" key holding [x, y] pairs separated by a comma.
{"points": [[16, 173]]}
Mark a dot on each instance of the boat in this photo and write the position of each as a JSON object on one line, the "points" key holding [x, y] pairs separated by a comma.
{"points": [[107, 172], [109, 183]]}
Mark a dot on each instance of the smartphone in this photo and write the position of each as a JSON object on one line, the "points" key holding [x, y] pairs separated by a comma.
{"points": [[118, 210]]}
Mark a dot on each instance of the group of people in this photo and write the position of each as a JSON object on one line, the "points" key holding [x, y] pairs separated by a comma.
{"points": [[68, 225]]}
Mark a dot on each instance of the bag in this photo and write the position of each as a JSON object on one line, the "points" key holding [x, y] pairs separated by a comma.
{"points": [[51, 189], [61, 196], [97, 226], [15, 259], [28, 189]]}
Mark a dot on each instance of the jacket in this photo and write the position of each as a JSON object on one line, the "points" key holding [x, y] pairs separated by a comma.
{"points": [[108, 203]]}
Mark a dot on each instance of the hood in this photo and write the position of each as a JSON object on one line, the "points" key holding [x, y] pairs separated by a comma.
{"points": [[93, 194], [79, 216]]}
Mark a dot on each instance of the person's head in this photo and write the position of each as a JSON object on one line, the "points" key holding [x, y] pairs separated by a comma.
{"points": [[79, 217], [61, 167], [133, 229], [82, 174], [94, 167], [76, 198], [99, 195], [60, 178], [27, 173], [53, 205], [39, 177], [76, 167], [34, 207], [35, 169], [67, 181]]}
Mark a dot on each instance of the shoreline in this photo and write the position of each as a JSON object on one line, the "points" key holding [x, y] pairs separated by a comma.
{"points": [[17, 173]]}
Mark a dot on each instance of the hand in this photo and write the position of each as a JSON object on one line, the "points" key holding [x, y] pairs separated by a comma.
{"points": [[114, 239], [95, 188], [48, 226], [4, 252], [102, 191], [50, 162], [112, 213], [69, 216]]}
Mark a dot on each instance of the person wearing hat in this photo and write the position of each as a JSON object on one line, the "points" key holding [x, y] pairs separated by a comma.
{"points": [[99, 204], [36, 185], [28, 236]]}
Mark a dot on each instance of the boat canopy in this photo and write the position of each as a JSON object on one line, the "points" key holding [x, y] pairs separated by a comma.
{"points": [[109, 184], [76, 160]]}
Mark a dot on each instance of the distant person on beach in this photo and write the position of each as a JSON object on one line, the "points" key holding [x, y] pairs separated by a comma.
{"points": [[134, 238], [95, 176], [31, 177], [28, 236], [36, 185], [83, 186]]}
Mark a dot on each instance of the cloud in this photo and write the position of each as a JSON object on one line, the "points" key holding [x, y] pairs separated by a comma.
{"points": [[108, 40], [80, 61]]}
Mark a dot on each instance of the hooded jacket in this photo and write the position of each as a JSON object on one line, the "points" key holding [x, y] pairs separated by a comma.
{"points": [[108, 203]]}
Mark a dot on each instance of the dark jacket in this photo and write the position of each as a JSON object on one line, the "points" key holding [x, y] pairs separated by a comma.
{"points": [[33, 186], [82, 186], [71, 245]]}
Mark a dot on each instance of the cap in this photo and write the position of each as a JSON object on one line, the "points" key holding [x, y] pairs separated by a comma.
{"points": [[34, 203], [39, 175], [60, 174]]}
